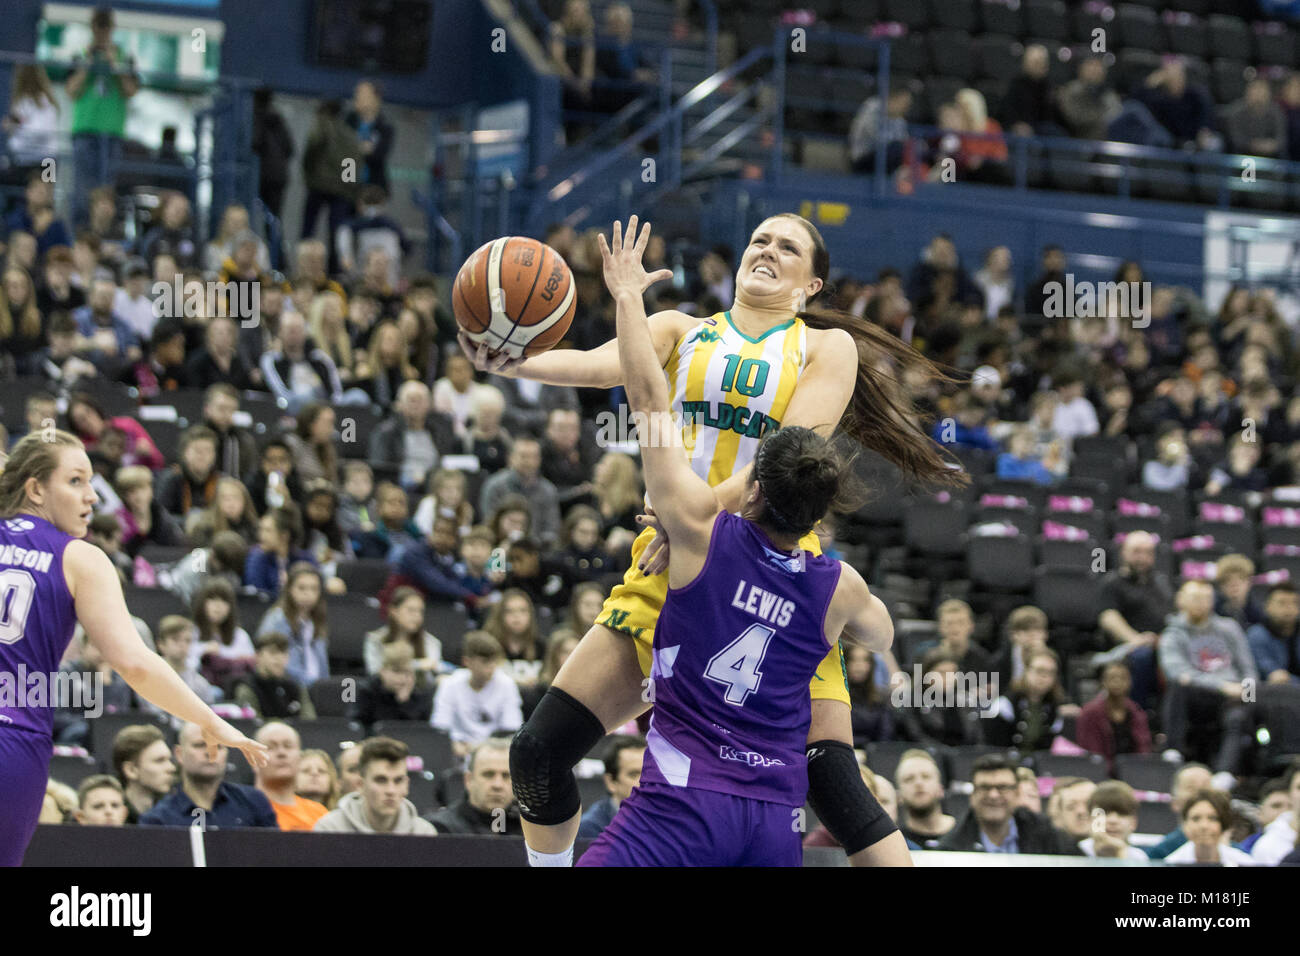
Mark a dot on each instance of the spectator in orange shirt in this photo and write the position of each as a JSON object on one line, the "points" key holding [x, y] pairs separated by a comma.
{"points": [[279, 777], [983, 149]]}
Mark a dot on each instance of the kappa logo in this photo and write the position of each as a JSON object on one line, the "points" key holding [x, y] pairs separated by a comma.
{"points": [[705, 335], [19, 525], [795, 564], [750, 757], [795, 357]]}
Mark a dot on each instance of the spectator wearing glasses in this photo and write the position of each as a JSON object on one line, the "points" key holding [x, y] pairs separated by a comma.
{"points": [[994, 824]]}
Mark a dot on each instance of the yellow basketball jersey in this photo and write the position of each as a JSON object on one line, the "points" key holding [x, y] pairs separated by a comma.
{"points": [[729, 389]]}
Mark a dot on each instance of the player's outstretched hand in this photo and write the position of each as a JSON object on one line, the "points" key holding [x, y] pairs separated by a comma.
{"points": [[224, 735], [654, 560], [485, 360], [624, 271]]}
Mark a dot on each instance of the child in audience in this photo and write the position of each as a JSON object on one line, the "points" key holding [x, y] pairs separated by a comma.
{"points": [[357, 509], [174, 642], [480, 699], [394, 692], [1114, 811], [405, 626], [269, 691]]}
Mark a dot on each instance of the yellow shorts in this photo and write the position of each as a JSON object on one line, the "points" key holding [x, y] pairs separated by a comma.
{"points": [[632, 608]]}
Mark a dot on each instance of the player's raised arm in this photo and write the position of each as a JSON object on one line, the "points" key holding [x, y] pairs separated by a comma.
{"points": [[97, 593], [668, 475]]}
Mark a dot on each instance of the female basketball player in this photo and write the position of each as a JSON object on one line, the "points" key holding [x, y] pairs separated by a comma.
{"points": [[743, 627], [50, 580], [767, 362]]}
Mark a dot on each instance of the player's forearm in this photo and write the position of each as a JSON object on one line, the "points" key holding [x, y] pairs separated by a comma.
{"points": [[643, 376], [731, 493], [597, 368], [153, 679]]}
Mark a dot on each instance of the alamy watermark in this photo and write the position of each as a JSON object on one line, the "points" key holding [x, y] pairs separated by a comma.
{"points": [[977, 689], [239, 300], [62, 690], [651, 429], [1088, 300]]}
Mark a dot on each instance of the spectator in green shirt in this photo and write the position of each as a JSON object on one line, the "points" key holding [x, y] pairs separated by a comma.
{"points": [[104, 79]]}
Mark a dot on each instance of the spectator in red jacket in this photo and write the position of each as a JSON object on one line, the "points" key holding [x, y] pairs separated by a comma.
{"points": [[1111, 723]]}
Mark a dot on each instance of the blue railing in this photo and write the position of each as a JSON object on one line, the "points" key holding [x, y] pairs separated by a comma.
{"points": [[1128, 166]]}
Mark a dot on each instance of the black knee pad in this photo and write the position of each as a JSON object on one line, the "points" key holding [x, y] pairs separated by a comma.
{"points": [[560, 732], [841, 800]]}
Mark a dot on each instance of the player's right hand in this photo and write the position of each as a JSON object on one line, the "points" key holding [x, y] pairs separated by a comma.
{"points": [[223, 735], [654, 560], [497, 363]]}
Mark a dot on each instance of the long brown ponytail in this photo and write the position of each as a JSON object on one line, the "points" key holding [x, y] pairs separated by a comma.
{"points": [[880, 416]]}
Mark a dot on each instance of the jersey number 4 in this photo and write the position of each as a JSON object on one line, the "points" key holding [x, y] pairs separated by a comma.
{"points": [[17, 588], [736, 665]]}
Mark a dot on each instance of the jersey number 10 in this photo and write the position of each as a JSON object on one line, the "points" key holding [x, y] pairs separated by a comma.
{"points": [[736, 665], [749, 377], [17, 588]]}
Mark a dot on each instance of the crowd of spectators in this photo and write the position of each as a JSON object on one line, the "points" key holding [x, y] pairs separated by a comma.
{"points": [[339, 425]]}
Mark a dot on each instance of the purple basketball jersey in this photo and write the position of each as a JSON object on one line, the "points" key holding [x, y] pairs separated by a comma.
{"points": [[37, 617], [734, 652]]}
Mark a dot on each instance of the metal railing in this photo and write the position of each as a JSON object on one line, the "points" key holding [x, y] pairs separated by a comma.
{"points": [[220, 169]]}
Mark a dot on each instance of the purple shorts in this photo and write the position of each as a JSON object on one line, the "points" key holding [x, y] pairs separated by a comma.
{"points": [[663, 825], [24, 769]]}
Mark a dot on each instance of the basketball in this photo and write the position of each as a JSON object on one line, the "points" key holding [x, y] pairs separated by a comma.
{"points": [[516, 295]]}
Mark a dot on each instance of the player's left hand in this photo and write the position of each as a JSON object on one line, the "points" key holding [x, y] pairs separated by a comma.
{"points": [[624, 271], [654, 560], [222, 734]]}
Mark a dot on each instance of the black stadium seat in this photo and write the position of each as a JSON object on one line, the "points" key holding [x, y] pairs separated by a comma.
{"points": [[1227, 80], [910, 54], [914, 13], [151, 605], [1069, 596], [1089, 766], [1067, 554], [962, 15], [1001, 564], [1231, 37], [1087, 18], [1139, 26], [72, 770], [1274, 44], [431, 745], [1188, 35], [328, 733], [951, 53], [1146, 772], [883, 756], [1156, 817], [327, 695], [933, 527], [365, 576], [959, 760], [1047, 19], [998, 55], [105, 728], [1002, 16]]}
